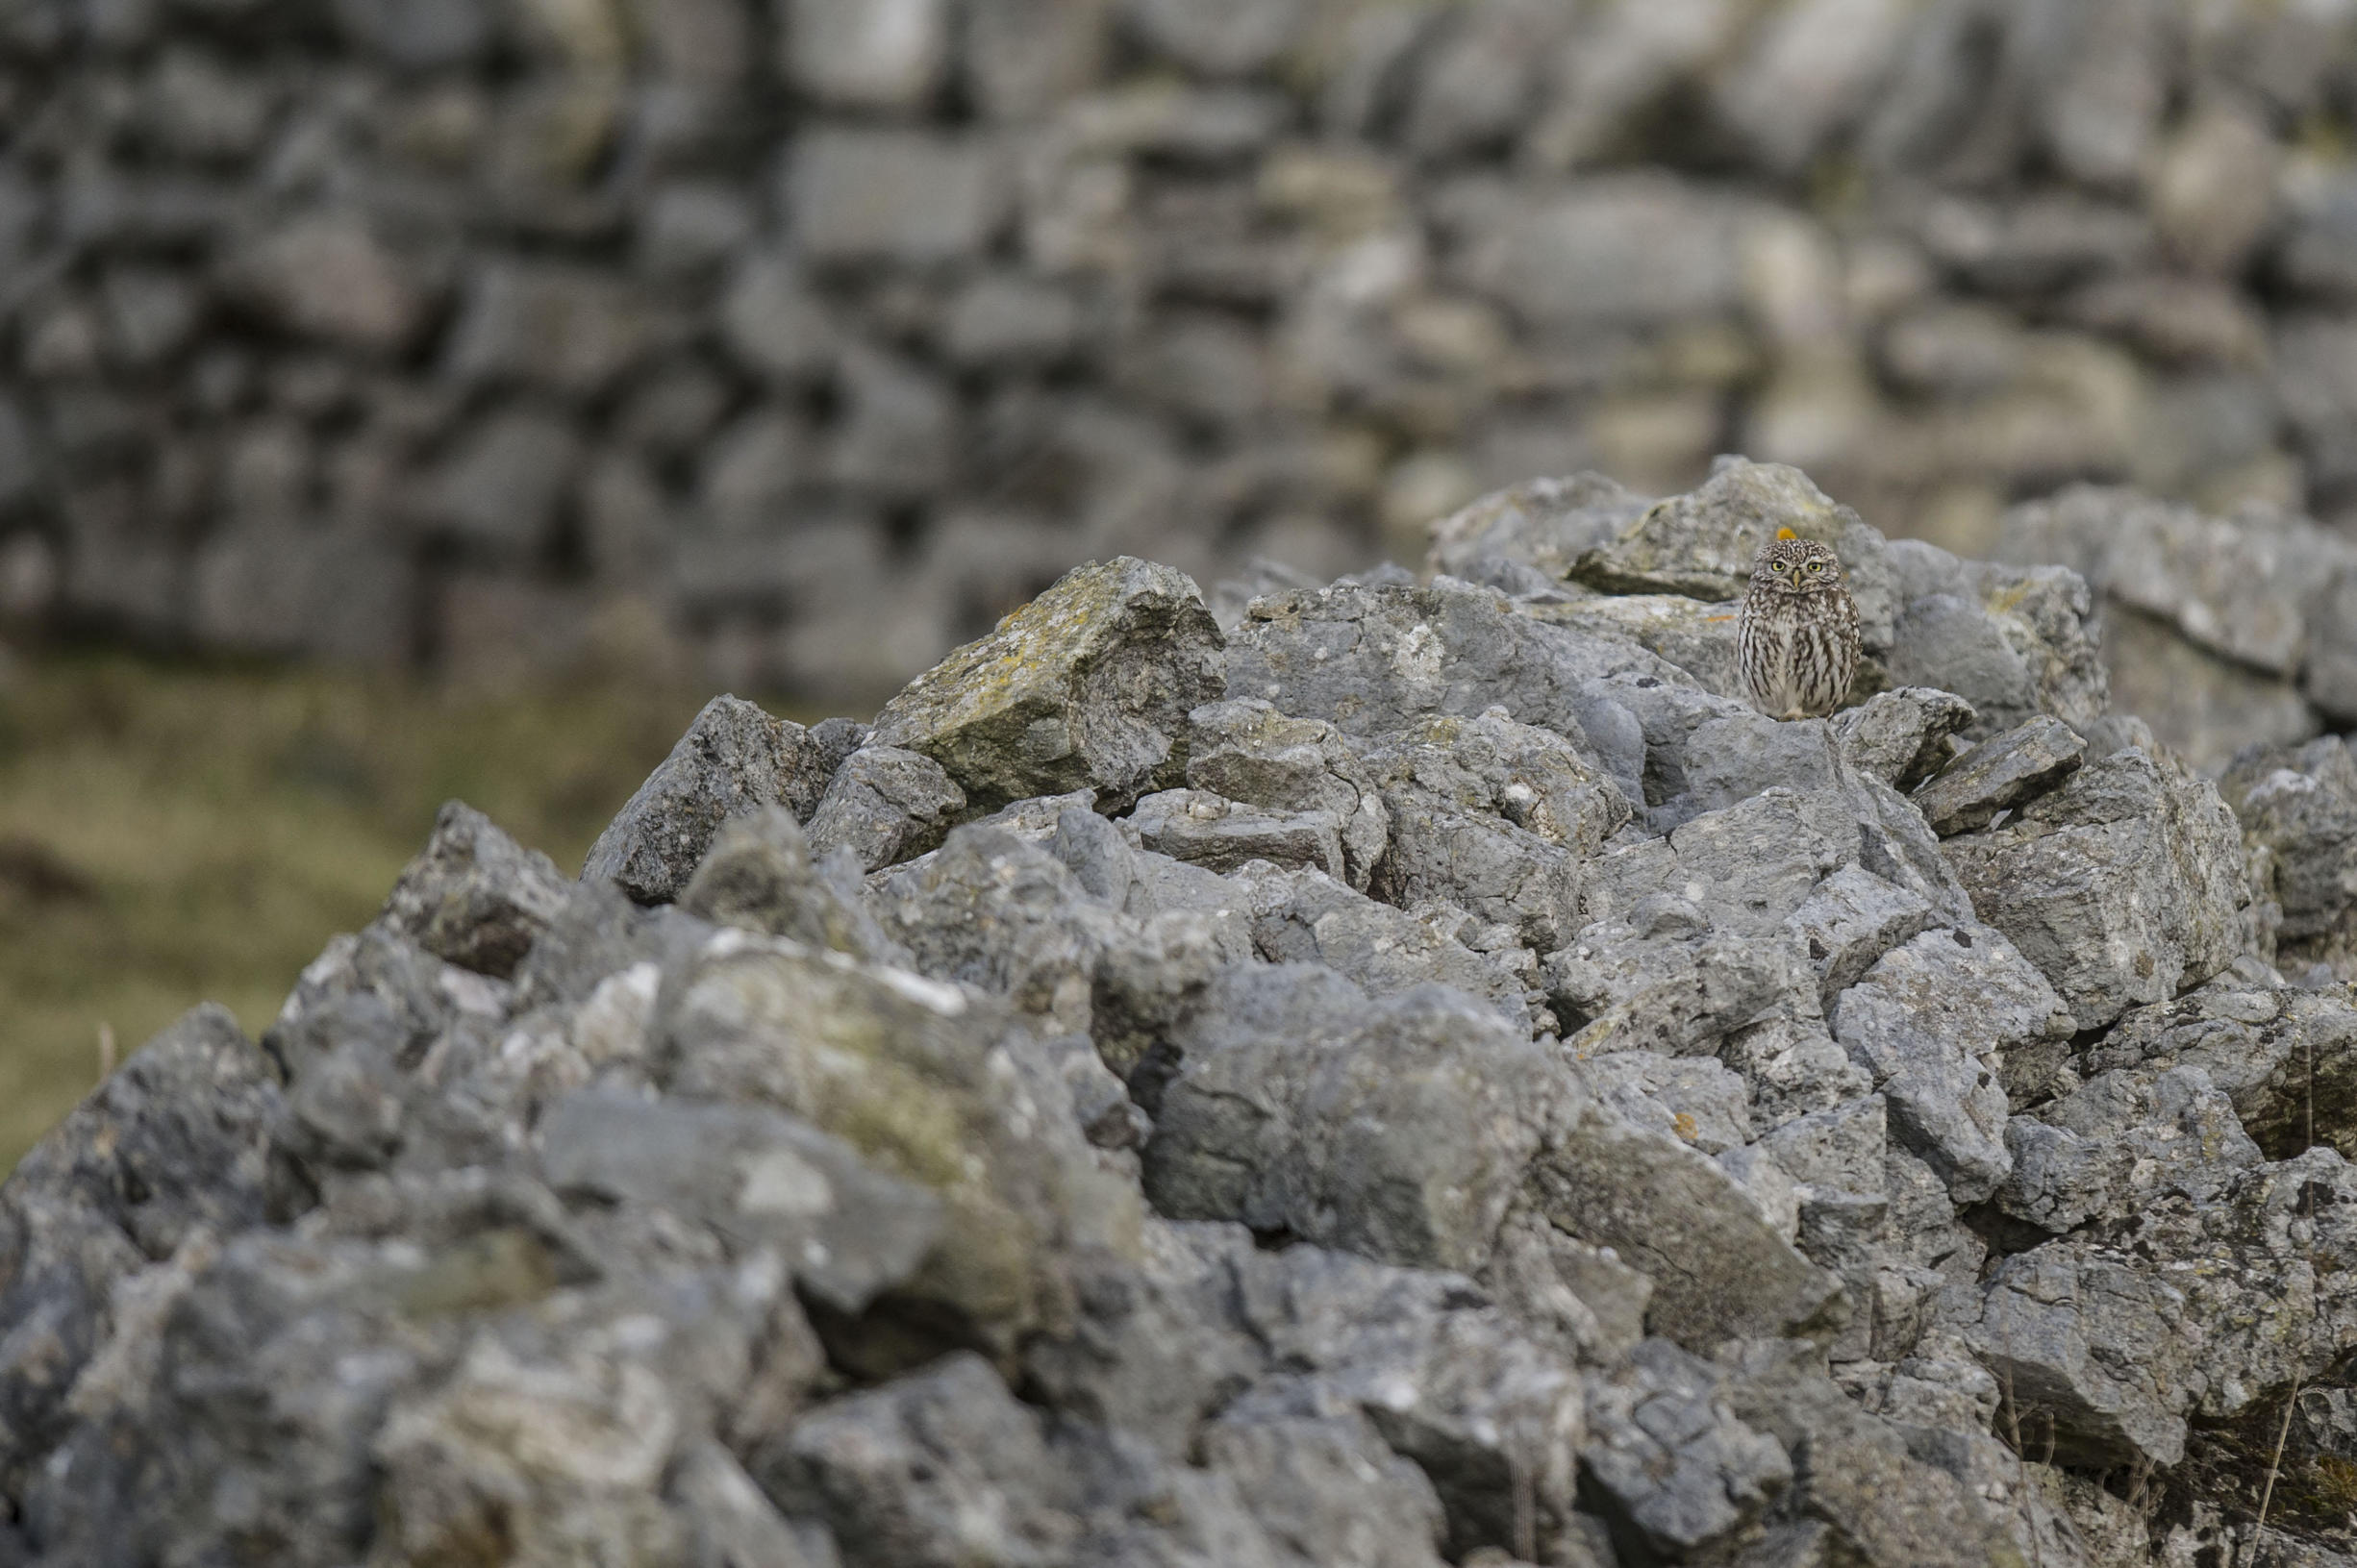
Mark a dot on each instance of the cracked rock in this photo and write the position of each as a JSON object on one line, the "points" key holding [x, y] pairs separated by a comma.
{"points": [[2125, 885], [1086, 687], [733, 759], [2000, 773]]}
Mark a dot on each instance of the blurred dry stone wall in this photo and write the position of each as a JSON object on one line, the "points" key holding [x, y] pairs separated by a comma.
{"points": [[821, 331]]}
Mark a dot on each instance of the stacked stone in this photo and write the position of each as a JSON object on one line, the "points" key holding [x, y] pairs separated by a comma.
{"points": [[1422, 1076], [825, 331]]}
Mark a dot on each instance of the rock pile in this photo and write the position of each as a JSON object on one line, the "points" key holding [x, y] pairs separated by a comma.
{"points": [[825, 328], [1421, 1074]]}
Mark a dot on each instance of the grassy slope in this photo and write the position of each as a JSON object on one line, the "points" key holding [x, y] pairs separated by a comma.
{"points": [[170, 836]]}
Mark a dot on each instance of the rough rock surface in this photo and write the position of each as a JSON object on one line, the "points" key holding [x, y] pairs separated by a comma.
{"points": [[2126, 884], [732, 760], [1086, 687], [1470, 1094]]}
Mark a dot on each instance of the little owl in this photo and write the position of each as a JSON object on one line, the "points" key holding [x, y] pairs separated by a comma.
{"points": [[1798, 643]]}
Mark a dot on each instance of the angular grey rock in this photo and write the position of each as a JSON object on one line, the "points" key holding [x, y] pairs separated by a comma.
{"points": [[1307, 917], [2112, 1341], [2300, 806], [1879, 1486], [175, 1144], [939, 1468], [885, 806], [2000, 773], [1396, 1128], [2119, 1142], [1850, 920], [1755, 862], [1692, 1099], [1369, 659], [287, 1359], [2205, 709], [2012, 641], [1838, 1150], [1146, 987], [382, 987], [565, 1427], [1931, 1021], [729, 1521], [2124, 885], [990, 910], [732, 760], [1614, 1183], [1317, 1474], [2283, 1056], [929, 1083], [903, 197], [1247, 750], [598, 934], [1494, 816], [1677, 1472], [1089, 685], [1703, 752], [1697, 636], [473, 896], [1666, 980], [1568, 1292], [1547, 524], [1794, 1068], [758, 876], [1492, 1416], [2245, 587], [847, 1232], [1219, 835], [1159, 1344]]}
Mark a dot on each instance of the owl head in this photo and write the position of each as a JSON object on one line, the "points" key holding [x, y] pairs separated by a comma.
{"points": [[1789, 564]]}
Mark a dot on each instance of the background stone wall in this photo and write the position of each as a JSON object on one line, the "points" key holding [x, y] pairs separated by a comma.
{"points": [[815, 333]]}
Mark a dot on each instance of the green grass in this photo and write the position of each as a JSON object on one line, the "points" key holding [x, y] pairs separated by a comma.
{"points": [[171, 835]]}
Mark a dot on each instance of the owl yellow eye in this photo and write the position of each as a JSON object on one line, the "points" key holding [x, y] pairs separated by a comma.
{"points": [[1816, 566]]}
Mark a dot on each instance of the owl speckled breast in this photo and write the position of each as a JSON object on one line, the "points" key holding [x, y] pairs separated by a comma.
{"points": [[1799, 641]]}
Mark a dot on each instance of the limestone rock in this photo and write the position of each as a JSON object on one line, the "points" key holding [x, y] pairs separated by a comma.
{"points": [[2000, 773], [732, 760], [1247, 750], [1547, 524], [1931, 1020], [1373, 660], [885, 806], [1211, 831], [925, 1080], [2124, 885], [1397, 1129], [1089, 685], [474, 896]]}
